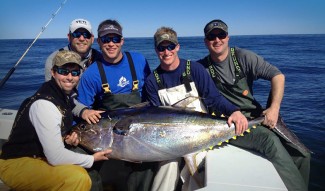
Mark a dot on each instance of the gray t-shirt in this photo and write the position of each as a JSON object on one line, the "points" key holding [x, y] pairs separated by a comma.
{"points": [[254, 67]]}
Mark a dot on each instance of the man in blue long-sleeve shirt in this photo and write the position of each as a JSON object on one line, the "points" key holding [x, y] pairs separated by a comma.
{"points": [[176, 79]]}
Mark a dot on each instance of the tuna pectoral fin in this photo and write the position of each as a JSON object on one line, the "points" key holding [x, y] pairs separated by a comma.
{"points": [[192, 170], [194, 160], [190, 161]]}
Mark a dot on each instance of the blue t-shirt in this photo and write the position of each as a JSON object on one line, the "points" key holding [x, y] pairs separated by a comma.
{"points": [[212, 99], [118, 77]]}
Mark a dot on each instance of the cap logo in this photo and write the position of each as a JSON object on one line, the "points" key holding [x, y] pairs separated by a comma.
{"points": [[165, 36], [110, 27], [81, 22]]}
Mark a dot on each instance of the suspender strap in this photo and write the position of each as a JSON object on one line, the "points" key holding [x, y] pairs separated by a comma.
{"points": [[187, 76], [160, 85], [238, 71], [135, 81], [212, 71], [105, 85]]}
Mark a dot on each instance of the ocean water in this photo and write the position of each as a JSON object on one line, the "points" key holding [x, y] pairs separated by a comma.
{"points": [[300, 57]]}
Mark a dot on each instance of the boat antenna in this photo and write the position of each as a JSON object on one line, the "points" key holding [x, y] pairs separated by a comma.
{"points": [[3, 81]]}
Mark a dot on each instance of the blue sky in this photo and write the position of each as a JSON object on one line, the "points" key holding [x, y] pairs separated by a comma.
{"points": [[140, 18]]}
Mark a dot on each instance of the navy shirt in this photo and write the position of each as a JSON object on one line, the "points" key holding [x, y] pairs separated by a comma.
{"points": [[212, 99]]}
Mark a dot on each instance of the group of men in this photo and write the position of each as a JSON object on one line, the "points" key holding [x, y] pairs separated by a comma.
{"points": [[83, 82]]}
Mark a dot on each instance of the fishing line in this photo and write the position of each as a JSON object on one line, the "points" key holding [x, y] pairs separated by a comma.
{"points": [[3, 81]]}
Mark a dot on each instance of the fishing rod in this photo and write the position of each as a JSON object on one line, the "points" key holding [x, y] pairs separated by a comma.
{"points": [[3, 81]]}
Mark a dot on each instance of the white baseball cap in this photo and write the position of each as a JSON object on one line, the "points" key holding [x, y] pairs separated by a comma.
{"points": [[80, 23]]}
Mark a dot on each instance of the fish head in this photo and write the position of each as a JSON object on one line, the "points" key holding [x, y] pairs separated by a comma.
{"points": [[94, 137]]}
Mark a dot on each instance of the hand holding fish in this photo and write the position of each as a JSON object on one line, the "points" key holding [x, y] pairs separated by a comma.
{"points": [[72, 139], [271, 117], [91, 116], [240, 121], [102, 155]]}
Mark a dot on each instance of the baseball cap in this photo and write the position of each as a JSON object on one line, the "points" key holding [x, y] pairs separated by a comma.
{"points": [[66, 56], [80, 23], [168, 37], [215, 24], [109, 29]]}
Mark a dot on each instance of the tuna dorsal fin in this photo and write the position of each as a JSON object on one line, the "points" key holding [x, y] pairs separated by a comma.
{"points": [[140, 105], [185, 102]]}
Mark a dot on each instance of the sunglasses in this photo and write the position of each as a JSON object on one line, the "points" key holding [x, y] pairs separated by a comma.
{"points": [[221, 35], [169, 47], [114, 39], [86, 35], [66, 72]]}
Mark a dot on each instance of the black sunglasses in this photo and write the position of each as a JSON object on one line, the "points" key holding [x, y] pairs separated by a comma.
{"points": [[66, 72], [107, 39], [86, 35], [169, 47], [221, 35]]}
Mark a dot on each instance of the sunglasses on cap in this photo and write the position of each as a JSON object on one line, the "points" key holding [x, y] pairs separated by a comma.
{"points": [[86, 35], [114, 39], [221, 35], [169, 47], [66, 72]]}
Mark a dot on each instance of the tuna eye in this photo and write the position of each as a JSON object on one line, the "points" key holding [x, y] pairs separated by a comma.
{"points": [[82, 126]]}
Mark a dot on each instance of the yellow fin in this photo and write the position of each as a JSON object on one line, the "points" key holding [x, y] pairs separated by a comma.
{"points": [[219, 144], [234, 137], [248, 130], [241, 134]]}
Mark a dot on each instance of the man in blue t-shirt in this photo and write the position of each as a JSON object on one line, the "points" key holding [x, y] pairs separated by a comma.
{"points": [[176, 79], [115, 82]]}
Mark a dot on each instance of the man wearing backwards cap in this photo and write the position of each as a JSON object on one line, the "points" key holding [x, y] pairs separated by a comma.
{"points": [[35, 156], [115, 82], [237, 88], [176, 79]]}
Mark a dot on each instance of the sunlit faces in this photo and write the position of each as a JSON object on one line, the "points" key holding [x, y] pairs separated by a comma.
{"points": [[81, 41], [67, 76]]}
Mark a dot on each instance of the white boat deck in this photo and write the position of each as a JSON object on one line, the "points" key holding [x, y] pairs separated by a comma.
{"points": [[228, 168]]}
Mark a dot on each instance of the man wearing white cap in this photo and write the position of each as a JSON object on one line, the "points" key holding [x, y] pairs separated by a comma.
{"points": [[80, 38]]}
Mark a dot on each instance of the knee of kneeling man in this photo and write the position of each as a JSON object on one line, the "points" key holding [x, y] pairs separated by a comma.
{"points": [[81, 175]]}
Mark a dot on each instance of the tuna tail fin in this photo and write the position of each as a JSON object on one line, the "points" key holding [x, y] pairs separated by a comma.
{"points": [[284, 132]]}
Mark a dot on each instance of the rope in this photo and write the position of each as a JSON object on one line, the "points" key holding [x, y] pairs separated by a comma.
{"points": [[3, 81]]}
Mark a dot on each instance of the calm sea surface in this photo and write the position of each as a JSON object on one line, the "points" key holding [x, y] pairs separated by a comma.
{"points": [[300, 57]]}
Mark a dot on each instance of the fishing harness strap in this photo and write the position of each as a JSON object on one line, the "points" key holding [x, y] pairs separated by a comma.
{"points": [[186, 78], [238, 71], [105, 85]]}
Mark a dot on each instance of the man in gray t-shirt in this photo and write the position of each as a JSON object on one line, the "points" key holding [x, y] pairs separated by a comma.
{"points": [[233, 71]]}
